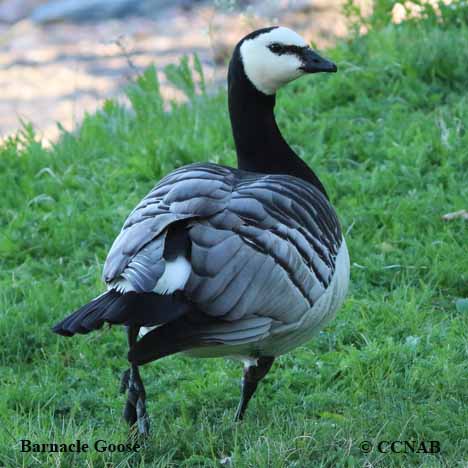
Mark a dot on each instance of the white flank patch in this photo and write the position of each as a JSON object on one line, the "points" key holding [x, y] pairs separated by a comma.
{"points": [[175, 276], [342, 270], [266, 70]]}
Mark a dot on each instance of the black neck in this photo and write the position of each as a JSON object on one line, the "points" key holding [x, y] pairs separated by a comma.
{"points": [[259, 144]]}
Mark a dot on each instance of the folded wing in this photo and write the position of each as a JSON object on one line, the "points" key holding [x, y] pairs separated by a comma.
{"points": [[261, 251]]}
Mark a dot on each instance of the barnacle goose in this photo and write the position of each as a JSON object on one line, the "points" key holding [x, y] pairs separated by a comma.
{"points": [[216, 261]]}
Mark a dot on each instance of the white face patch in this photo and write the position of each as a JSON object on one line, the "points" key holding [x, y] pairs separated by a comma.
{"points": [[266, 70]]}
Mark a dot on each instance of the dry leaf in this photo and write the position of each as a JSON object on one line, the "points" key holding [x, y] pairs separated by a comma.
{"points": [[463, 214]]}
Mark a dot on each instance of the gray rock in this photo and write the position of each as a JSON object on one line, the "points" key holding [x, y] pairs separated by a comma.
{"points": [[94, 10], [154, 7], [83, 10]]}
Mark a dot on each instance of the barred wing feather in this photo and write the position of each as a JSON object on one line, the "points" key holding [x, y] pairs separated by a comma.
{"points": [[263, 247]]}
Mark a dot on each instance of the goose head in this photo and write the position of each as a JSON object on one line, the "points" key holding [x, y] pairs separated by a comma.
{"points": [[272, 57]]}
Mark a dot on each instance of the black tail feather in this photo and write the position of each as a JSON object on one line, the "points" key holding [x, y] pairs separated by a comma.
{"points": [[162, 341], [143, 309], [179, 335]]}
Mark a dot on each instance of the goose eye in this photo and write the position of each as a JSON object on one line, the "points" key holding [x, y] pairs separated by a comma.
{"points": [[276, 48]]}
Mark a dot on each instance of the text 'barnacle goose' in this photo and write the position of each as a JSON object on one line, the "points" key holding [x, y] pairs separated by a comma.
{"points": [[217, 261]]}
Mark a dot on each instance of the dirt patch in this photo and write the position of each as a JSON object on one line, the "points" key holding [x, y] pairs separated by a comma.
{"points": [[57, 72]]}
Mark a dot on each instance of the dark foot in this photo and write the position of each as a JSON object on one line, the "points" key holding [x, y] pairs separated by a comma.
{"points": [[135, 407], [252, 375], [124, 381]]}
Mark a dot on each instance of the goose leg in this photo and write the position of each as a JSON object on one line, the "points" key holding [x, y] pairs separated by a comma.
{"points": [[135, 407], [252, 375]]}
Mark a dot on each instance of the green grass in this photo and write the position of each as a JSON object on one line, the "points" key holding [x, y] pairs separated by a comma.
{"points": [[388, 137]]}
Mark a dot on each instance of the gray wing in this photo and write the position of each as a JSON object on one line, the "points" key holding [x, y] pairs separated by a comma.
{"points": [[263, 248], [191, 192], [271, 252]]}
